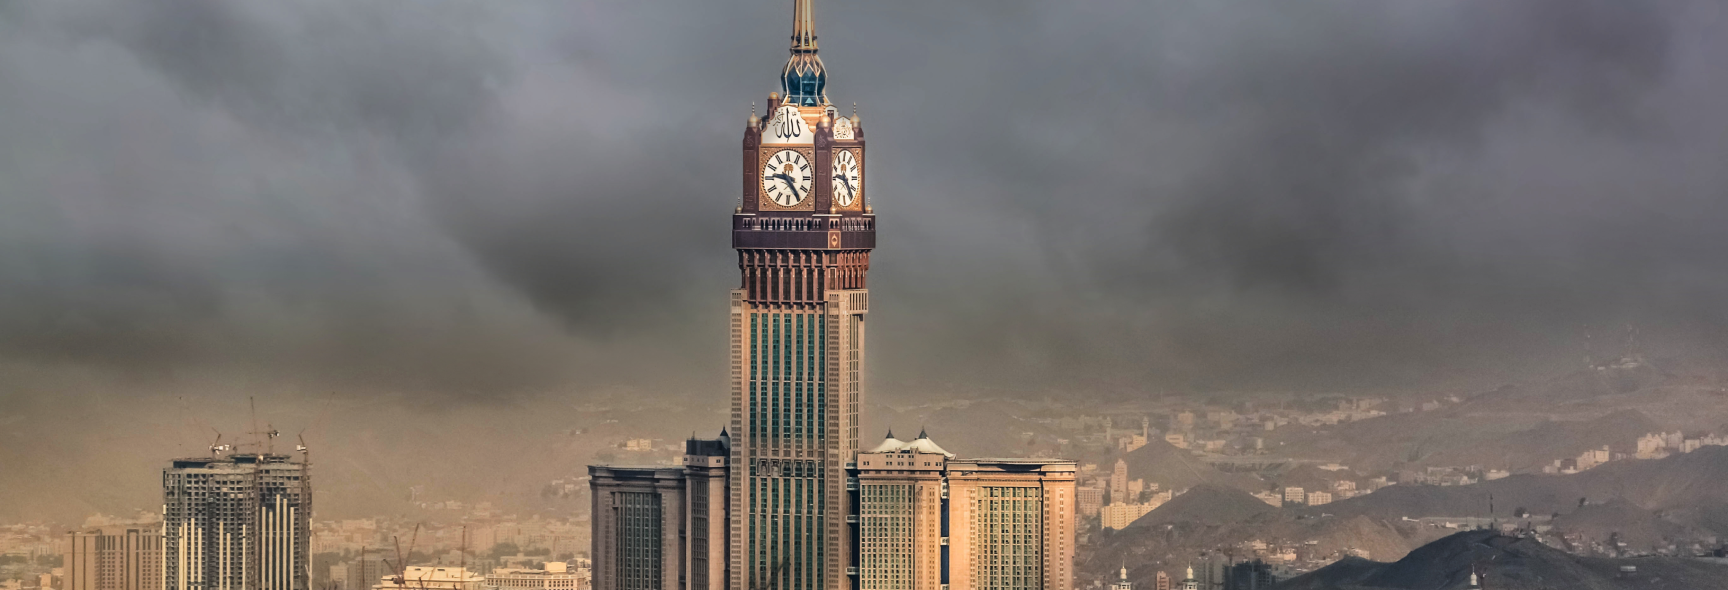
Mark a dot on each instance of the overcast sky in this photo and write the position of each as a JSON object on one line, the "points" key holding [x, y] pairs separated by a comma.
{"points": [[475, 199]]}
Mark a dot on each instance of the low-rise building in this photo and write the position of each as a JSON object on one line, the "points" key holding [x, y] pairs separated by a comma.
{"points": [[433, 577], [556, 576]]}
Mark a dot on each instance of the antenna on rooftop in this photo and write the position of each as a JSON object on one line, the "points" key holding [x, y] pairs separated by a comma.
{"points": [[253, 402]]}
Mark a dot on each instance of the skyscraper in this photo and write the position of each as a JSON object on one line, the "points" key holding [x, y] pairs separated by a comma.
{"points": [[803, 231], [902, 499], [658, 527], [801, 508], [236, 522]]}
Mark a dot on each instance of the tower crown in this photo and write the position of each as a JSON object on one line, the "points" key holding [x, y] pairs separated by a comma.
{"points": [[804, 80]]}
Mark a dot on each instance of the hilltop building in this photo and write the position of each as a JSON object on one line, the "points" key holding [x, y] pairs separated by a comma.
{"points": [[1122, 582], [791, 501], [1119, 482]]}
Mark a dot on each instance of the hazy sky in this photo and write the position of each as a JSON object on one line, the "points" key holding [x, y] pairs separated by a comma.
{"points": [[494, 198]]}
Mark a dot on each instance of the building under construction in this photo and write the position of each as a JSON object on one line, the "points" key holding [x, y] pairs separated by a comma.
{"points": [[236, 522]]}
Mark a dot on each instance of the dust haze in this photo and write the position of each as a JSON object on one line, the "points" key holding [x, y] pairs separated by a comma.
{"points": [[412, 224]]}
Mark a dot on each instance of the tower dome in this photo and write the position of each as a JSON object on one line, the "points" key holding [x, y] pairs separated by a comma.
{"points": [[803, 81]]}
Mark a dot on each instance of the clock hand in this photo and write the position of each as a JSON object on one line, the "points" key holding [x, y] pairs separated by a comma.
{"points": [[790, 184]]}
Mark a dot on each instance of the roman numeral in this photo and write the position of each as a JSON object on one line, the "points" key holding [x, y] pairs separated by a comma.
{"points": [[805, 166]]}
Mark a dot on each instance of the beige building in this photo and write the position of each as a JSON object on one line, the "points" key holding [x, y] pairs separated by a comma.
{"points": [[1119, 482], [113, 558], [1119, 515], [1011, 524], [901, 490]]}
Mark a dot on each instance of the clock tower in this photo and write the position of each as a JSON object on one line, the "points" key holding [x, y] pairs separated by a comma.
{"points": [[803, 230]]}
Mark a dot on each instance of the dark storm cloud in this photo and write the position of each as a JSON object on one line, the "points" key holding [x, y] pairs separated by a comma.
{"points": [[494, 197]]}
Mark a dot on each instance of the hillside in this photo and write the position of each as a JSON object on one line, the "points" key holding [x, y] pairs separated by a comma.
{"points": [[1528, 450], [1523, 426], [1206, 504], [1508, 563], [1679, 482]]}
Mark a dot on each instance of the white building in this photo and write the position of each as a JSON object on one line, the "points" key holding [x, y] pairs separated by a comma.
{"points": [[556, 576], [432, 577]]}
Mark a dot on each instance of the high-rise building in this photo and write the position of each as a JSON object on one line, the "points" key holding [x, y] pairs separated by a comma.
{"points": [[638, 520], [801, 508], [706, 490], [927, 520], [901, 501], [1119, 483], [1161, 581], [659, 527], [236, 522], [803, 232], [1011, 523], [113, 558]]}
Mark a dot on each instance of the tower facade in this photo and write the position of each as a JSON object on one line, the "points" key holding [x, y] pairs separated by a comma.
{"points": [[803, 231], [639, 527]]}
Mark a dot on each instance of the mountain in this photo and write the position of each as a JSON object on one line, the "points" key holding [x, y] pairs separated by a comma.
{"points": [[1679, 482], [1640, 529], [1525, 425], [1509, 563], [1177, 469], [1529, 450], [1206, 504]]}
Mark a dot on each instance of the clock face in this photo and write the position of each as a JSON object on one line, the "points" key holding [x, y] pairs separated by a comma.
{"points": [[786, 178], [847, 185]]}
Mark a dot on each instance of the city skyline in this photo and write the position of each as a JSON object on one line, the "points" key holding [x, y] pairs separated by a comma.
{"points": [[1246, 290]]}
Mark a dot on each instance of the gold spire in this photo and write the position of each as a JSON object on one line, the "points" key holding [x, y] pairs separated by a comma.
{"points": [[803, 27]]}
